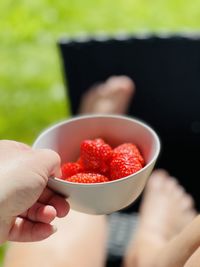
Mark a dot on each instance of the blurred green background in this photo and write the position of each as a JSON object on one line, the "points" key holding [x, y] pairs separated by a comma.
{"points": [[32, 94]]}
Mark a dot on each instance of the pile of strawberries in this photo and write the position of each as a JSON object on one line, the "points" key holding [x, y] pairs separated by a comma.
{"points": [[98, 162]]}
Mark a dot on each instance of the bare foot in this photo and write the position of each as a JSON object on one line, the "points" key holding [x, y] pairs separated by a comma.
{"points": [[111, 97], [166, 209], [183, 250], [194, 260]]}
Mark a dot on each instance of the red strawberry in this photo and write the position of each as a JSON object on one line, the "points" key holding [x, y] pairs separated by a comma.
{"points": [[123, 165], [70, 168], [80, 162], [87, 178], [96, 155], [99, 141], [130, 149]]}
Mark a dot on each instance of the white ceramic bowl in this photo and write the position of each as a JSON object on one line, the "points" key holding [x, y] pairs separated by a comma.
{"points": [[101, 198]]}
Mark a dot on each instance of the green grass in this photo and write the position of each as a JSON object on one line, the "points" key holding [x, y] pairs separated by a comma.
{"points": [[32, 93]]}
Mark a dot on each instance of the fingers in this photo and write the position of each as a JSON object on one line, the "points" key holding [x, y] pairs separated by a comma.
{"points": [[62, 207], [50, 161], [40, 213], [48, 197], [27, 231], [49, 206]]}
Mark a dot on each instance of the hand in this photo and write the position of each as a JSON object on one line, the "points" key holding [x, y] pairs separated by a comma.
{"points": [[27, 206]]}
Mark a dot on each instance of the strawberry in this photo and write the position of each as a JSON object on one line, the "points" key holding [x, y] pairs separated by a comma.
{"points": [[99, 141], [130, 149], [70, 168], [80, 162], [87, 178], [123, 165], [96, 155]]}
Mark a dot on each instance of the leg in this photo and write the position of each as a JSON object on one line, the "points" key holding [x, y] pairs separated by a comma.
{"points": [[79, 241], [166, 209]]}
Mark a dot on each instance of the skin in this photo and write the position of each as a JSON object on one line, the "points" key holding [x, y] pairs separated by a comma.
{"points": [[27, 206]]}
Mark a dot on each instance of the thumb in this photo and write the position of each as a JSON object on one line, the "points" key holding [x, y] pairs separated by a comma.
{"points": [[50, 160]]}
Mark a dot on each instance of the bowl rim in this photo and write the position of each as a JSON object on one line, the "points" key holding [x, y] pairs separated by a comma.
{"points": [[88, 116]]}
